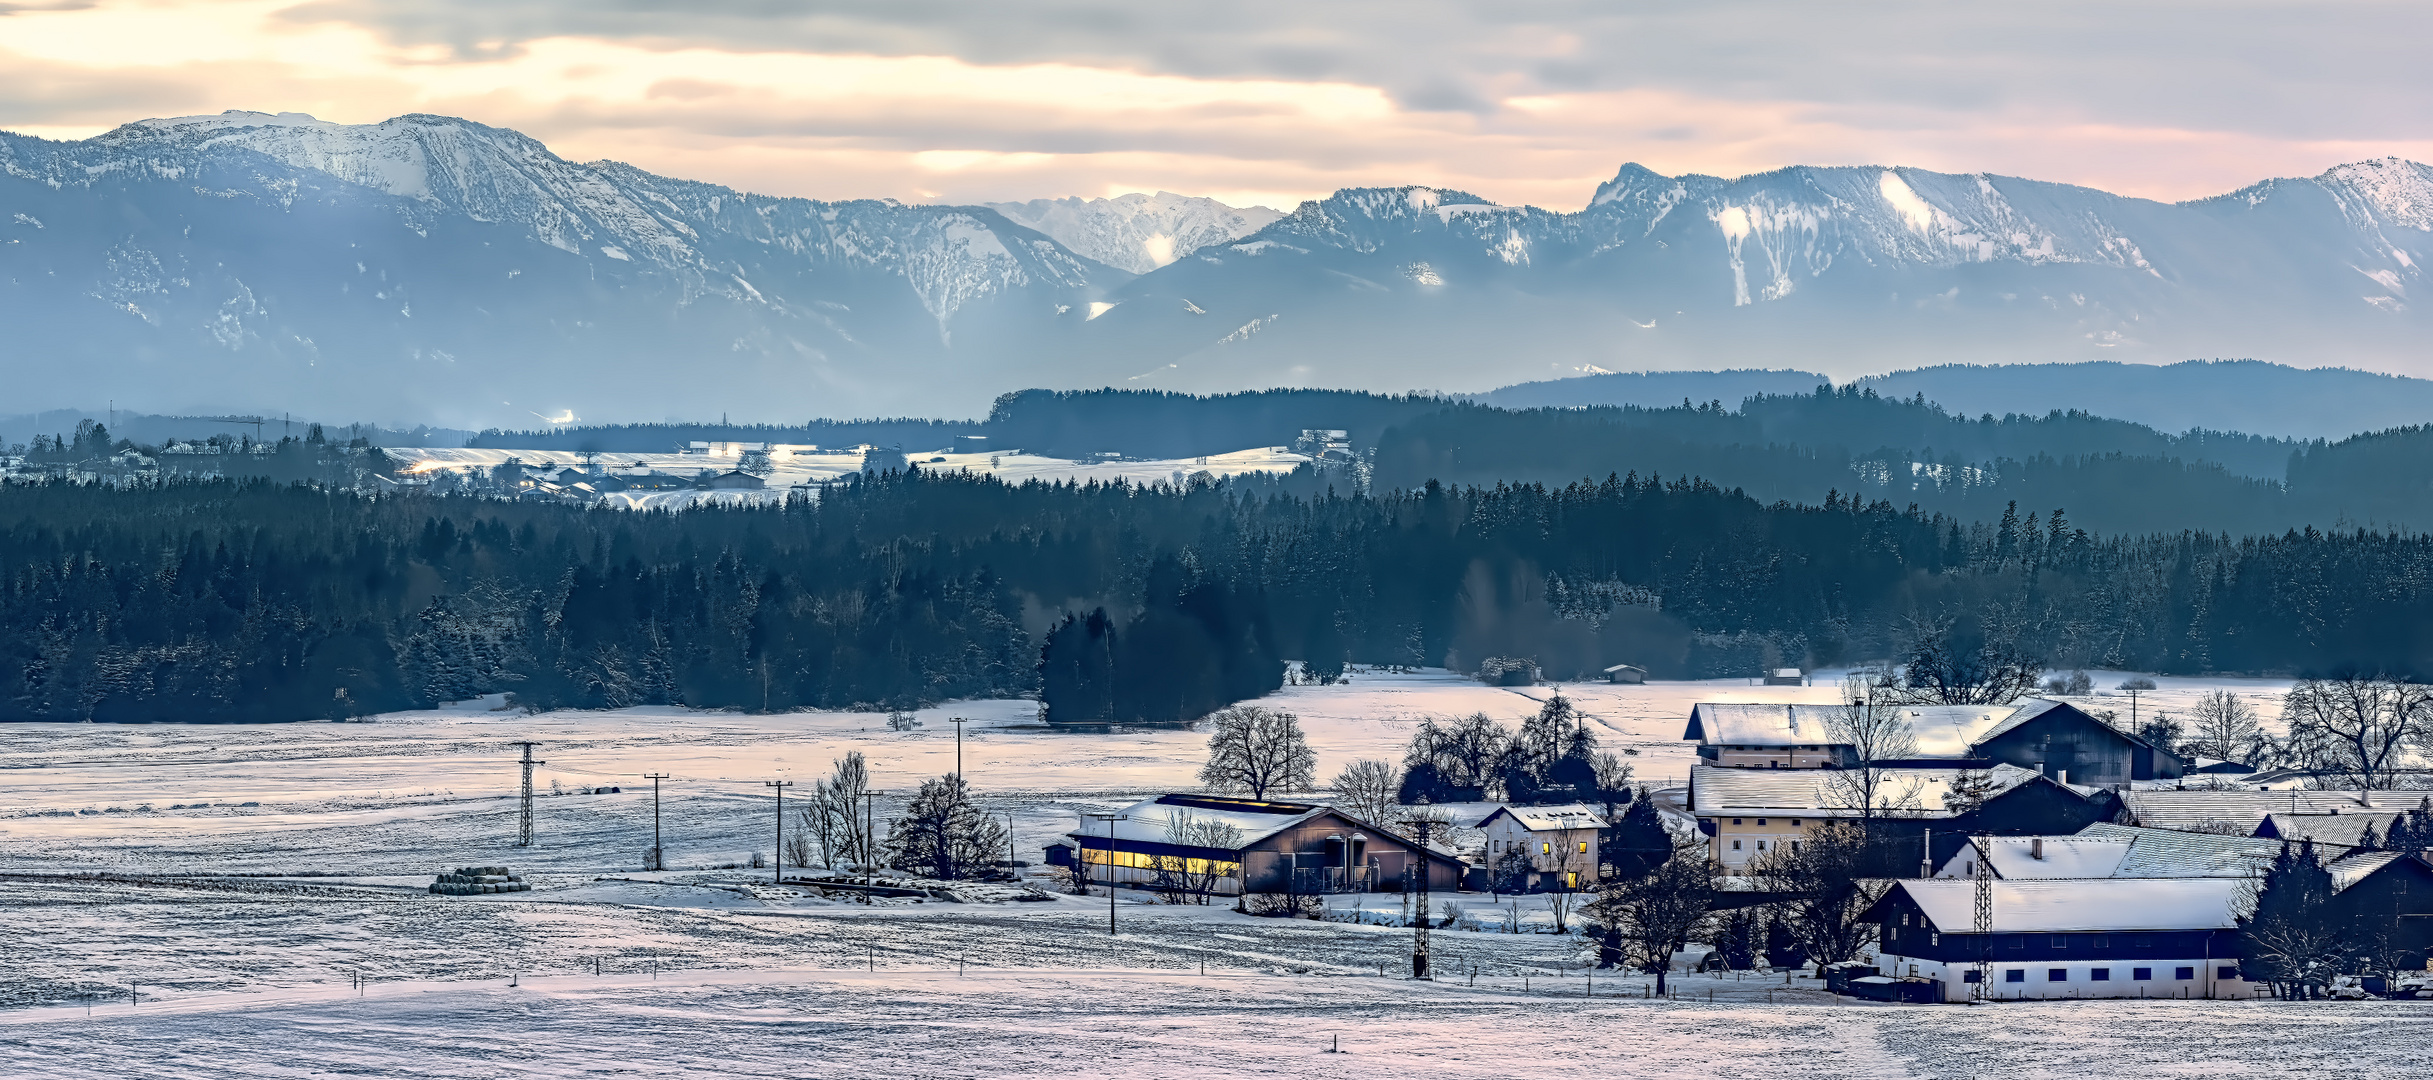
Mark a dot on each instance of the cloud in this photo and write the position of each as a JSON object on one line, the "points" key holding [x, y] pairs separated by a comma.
{"points": [[1520, 101]]}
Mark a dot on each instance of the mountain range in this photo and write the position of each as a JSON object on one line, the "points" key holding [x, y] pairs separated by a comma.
{"points": [[433, 269]]}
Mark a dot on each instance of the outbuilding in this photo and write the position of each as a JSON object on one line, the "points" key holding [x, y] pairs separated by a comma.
{"points": [[1272, 847]]}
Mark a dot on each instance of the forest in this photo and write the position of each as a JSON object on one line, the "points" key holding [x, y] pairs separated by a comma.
{"points": [[194, 599]]}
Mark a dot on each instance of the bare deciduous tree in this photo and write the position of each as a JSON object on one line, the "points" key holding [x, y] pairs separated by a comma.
{"points": [[1951, 664], [2225, 727], [1837, 873], [2356, 727], [1643, 923], [1257, 750], [1370, 788], [1877, 732]]}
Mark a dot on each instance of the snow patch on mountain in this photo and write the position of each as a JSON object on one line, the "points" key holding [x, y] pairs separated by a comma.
{"points": [[1137, 232]]}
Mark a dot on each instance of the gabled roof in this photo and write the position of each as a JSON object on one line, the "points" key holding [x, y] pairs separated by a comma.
{"points": [[2100, 904], [2342, 829], [2165, 853], [1548, 818], [1716, 791], [2015, 858], [1150, 821], [2031, 709], [1943, 731], [2348, 870]]}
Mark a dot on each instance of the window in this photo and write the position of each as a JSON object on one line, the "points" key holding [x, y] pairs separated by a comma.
{"points": [[1934, 937], [2141, 974], [1794, 821], [2015, 975], [2057, 975], [2226, 971], [1583, 847], [2183, 973], [1735, 845], [1735, 821], [1969, 976], [1795, 845], [1761, 845], [1904, 918], [2059, 941], [2100, 974], [1545, 849], [2019, 941], [1761, 821]]}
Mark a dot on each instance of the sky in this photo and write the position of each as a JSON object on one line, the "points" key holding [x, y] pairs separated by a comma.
{"points": [[1274, 101]]}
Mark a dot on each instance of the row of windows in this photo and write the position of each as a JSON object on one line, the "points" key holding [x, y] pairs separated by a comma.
{"points": [[1545, 847], [1761, 845], [2104, 974], [1762, 821], [1175, 864]]}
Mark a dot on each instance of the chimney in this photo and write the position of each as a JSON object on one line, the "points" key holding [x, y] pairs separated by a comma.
{"points": [[2036, 848], [2064, 778]]}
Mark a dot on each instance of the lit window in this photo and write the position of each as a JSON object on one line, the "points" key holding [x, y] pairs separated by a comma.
{"points": [[1583, 847], [1545, 849]]}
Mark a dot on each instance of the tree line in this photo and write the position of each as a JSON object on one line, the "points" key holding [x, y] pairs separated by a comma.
{"points": [[225, 599]]}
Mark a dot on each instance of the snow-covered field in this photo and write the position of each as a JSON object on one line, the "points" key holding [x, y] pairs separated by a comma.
{"points": [[119, 848], [795, 467]]}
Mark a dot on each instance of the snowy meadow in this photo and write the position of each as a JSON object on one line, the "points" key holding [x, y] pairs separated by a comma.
{"points": [[201, 900]]}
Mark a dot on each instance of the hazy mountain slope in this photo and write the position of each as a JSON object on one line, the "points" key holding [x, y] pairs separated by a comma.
{"points": [[1653, 388], [1137, 232], [1840, 270], [428, 266], [429, 269], [2221, 395]]}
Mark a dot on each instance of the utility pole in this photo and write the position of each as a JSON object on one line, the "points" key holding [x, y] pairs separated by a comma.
{"points": [[869, 837], [1109, 863], [778, 868], [958, 722], [1419, 926], [658, 853], [1984, 927], [523, 831]]}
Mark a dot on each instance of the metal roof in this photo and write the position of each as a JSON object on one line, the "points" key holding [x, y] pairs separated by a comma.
{"points": [[2342, 829], [2165, 853], [2192, 811], [1150, 821], [2084, 905], [1943, 731]]}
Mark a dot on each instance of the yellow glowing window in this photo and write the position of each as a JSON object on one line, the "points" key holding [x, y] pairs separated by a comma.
{"points": [[1545, 849], [1583, 847], [1170, 863]]}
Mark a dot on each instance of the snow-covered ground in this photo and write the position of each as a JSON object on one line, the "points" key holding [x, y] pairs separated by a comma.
{"points": [[797, 467], [241, 876]]}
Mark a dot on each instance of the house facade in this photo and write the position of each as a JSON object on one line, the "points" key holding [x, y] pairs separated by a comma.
{"points": [[2051, 737], [2101, 938], [1273, 847], [1746, 813], [1558, 844]]}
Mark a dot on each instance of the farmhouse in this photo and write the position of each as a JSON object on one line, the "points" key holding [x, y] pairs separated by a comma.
{"points": [[1558, 844], [1274, 847], [1748, 812], [2051, 737], [2389, 889], [2105, 937], [2243, 812]]}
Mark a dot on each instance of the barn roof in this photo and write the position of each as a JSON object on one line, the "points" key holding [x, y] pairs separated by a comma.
{"points": [[2100, 904], [1150, 821], [2192, 811], [2165, 853], [1944, 731], [2350, 869], [2015, 858], [1717, 790]]}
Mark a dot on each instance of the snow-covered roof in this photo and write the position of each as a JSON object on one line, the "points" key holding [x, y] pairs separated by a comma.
{"points": [[2099, 904], [2016, 858], [2191, 811], [2351, 869], [2343, 829], [2165, 853], [1943, 731], [1151, 821], [1718, 791], [1548, 818]]}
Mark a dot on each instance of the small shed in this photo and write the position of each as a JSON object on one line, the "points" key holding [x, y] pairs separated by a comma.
{"points": [[1626, 674], [737, 480], [1788, 676]]}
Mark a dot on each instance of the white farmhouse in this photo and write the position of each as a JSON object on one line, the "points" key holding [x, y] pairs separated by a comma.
{"points": [[1560, 842]]}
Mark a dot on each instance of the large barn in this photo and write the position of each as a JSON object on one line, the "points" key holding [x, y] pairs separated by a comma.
{"points": [[2052, 737], [1276, 847], [2084, 938]]}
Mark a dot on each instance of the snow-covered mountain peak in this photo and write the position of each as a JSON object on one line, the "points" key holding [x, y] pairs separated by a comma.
{"points": [[1137, 232], [2399, 190]]}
